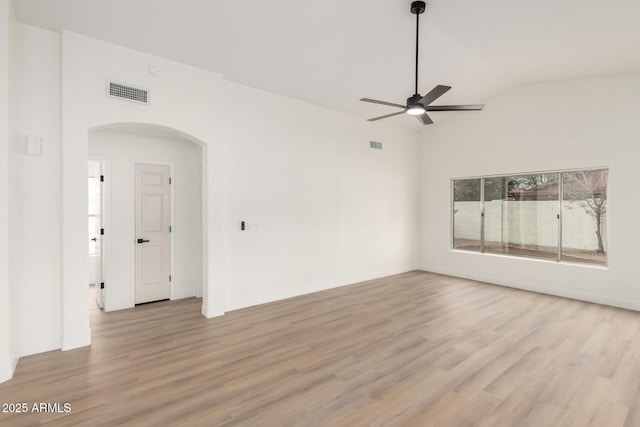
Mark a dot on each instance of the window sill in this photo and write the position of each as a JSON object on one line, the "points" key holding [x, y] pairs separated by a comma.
{"points": [[547, 261]]}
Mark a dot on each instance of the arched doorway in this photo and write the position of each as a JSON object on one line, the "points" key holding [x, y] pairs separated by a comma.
{"points": [[76, 331], [121, 150]]}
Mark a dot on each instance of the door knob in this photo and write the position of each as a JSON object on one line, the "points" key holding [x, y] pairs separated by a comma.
{"points": [[142, 241], [94, 239]]}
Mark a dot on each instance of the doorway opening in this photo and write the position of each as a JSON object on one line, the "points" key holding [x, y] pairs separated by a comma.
{"points": [[152, 229], [95, 210]]}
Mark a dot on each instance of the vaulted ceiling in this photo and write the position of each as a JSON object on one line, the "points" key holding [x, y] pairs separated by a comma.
{"points": [[333, 52]]}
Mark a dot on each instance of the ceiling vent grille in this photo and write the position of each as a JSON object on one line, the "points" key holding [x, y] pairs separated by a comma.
{"points": [[130, 93]]}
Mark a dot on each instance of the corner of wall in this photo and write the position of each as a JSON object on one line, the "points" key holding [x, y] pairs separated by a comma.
{"points": [[212, 312], [8, 360], [6, 372]]}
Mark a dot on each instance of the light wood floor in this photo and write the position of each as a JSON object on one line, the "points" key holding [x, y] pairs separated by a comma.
{"points": [[416, 349]]}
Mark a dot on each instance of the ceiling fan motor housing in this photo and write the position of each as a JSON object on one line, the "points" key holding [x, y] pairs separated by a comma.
{"points": [[418, 7], [413, 100]]}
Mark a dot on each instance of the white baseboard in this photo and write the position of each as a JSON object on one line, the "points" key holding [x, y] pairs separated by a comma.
{"points": [[580, 296], [76, 341], [117, 305], [29, 346], [210, 312], [280, 294]]}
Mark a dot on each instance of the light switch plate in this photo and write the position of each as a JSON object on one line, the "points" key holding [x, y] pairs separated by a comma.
{"points": [[34, 145]]}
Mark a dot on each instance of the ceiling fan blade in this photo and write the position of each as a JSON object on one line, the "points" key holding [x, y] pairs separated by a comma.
{"points": [[385, 116], [375, 101], [434, 94], [471, 107], [424, 119]]}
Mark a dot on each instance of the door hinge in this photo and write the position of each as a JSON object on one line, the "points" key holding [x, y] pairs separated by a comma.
{"points": [[102, 285], [169, 229], [102, 231], [101, 178], [170, 181], [169, 277]]}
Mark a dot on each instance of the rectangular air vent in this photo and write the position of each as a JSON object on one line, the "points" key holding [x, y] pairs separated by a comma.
{"points": [[128, 92], [376, 145]]}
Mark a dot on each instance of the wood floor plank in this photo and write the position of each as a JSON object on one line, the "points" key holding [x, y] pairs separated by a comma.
{"points": [[415, 349]]}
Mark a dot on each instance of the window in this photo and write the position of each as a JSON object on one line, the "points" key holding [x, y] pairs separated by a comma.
{"points": [[520, 215], [584, 209], [466, 214], [549, 215]]}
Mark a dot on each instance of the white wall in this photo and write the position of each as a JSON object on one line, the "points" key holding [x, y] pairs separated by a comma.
{"points": [[547, 126], [35, 193], [328, 209], [123, 149], [324, 208], [7, 337]]}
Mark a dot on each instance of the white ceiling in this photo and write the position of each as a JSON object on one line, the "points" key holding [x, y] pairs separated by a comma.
{"points": [[333, 52]]}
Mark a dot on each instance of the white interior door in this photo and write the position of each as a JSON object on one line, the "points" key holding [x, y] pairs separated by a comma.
{"points": [[153, 243]]}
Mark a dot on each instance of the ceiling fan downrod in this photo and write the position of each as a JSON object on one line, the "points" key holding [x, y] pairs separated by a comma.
{"points": [[417, 8]]}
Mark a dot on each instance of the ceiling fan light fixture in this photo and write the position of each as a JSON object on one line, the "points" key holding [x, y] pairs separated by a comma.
{"points": [[416, 110]]}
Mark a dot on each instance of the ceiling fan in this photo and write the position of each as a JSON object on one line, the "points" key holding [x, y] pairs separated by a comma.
{"points": [[418, 105]]}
